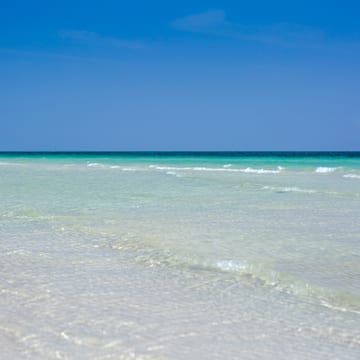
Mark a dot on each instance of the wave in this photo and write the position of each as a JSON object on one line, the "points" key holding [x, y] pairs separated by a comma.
{"points": [[173, 173], [352, 176], [127, 169], [324, 170], [289, 189], [95, 165], [259, 274], [208, 169], [28, 213], [261, 171], [227, 168], [5, 163], [106, 166], [334, 299]]}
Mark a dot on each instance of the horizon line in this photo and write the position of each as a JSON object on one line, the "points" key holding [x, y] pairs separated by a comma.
{"points": [[184, 152]]}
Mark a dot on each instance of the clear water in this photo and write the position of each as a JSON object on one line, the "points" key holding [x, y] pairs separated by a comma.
{"points": [[180, 256]]}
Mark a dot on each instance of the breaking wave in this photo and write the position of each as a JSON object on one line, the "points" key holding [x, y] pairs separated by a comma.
{"points": [[324, 170], [222, 169]]}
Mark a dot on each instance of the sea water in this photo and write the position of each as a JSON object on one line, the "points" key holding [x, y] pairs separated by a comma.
{"points": [[180, 256]]}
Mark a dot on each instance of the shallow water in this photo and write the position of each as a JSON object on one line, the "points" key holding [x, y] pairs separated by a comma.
{"points": [[147, 256]]}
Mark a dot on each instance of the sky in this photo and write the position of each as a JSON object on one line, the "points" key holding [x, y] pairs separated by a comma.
{"points": [[179, 75]]}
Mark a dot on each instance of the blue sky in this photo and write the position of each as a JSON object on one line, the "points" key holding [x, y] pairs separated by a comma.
{"points": [[179, 75]]}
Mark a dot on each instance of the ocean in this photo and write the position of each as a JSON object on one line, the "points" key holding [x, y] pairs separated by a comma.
{"points": [[180, 256]]}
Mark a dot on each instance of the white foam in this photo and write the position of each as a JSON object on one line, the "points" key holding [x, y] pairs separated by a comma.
{"points": [[289, 189], [95, 165], [230, 265], [261, 171], [199, 168], [351, 176], [103, 166], [323, 169], [173, 173], [227, 165], [123, 168], [3, 163]]}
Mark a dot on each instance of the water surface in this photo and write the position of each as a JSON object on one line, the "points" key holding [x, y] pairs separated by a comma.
{"points": [[180, 255]]}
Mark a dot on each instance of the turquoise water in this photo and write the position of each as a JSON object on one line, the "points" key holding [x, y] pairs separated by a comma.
{"points": [[178, 256]]}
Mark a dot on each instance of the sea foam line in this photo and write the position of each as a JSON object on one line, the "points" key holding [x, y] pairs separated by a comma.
{"points": [[207, 169], [4, 163], [292, 285], [95, 165], [263, 273], [106, 166], [324, 170], [290, 189], [351, 176]]}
